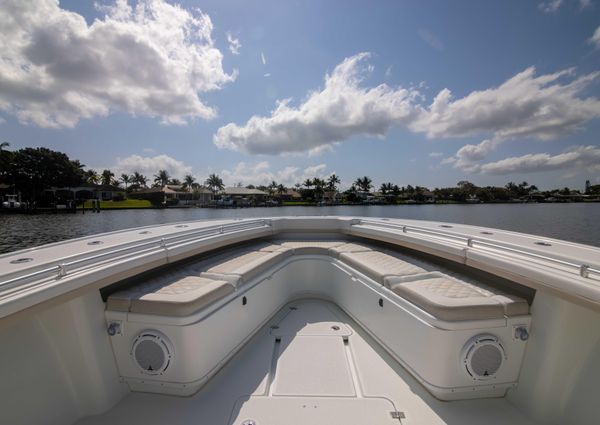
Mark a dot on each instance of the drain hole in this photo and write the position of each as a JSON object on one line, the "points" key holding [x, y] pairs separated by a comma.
{"points": [[542, 243], [335, 328], [244, 301], [380, 302], [293, 308], [446, 226], [486, 233]]}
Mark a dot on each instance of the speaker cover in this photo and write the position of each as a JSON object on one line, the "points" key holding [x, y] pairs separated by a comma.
{"points": [[152, 352], [483, 356]]}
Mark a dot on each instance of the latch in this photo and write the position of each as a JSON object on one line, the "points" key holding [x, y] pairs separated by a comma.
{"points": [[398, 415]]}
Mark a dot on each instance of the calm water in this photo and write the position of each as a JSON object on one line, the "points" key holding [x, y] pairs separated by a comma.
{"points": [[573, 222]]}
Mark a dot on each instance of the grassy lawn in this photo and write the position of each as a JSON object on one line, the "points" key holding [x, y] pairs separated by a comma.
{"points": [[297, 203], [127, 203]]}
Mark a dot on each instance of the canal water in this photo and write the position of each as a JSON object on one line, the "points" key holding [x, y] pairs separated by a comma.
{"points": [[577, 222]]}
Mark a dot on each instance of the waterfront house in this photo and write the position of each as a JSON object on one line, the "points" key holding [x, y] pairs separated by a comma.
{"points": [[243, 196], [289, 195], [172, 194], [103, 192]]}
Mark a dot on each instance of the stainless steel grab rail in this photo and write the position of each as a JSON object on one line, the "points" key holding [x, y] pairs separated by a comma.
{"points": [[61, 269], [584, 270]]}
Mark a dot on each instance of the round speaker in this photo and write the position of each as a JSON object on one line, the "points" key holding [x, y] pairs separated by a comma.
{"points": [[483, 356], [152, 352]]}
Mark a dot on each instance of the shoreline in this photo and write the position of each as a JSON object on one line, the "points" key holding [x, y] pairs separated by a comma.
{"points": [[89, 210]]}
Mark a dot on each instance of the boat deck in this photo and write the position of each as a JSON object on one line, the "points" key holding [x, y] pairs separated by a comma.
{"points": [[311, 364]]}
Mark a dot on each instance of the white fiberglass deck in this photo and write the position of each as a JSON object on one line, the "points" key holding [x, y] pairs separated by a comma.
{"points": [[311, 364]]}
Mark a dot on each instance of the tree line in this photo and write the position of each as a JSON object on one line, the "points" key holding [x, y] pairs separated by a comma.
{"points": [[32, 170]]}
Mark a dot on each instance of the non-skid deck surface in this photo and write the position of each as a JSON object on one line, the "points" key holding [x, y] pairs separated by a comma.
{"points": [[310, 365]]}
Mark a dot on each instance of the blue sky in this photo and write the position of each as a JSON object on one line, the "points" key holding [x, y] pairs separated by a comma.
{"points": [[426, 92]]}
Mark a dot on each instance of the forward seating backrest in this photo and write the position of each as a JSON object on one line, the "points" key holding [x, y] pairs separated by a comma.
{"points": [[200, 284]]}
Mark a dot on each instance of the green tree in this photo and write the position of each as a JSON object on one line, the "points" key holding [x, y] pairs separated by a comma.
{"points": [[107, 177], [386, 188], [188, 181], [139, 180], [281, 189], [364, 183], [161, 178], [91, 177], [332, 182], [214, 183], [126, 179], [35, 169]]}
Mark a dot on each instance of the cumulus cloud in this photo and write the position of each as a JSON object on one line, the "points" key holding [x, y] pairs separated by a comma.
{"points": [[153, 59], [339, 111], [550, 6], [595, 39], [260, 174], [149, 165], [431, 39], [576, 158], [234, 44], [467, 156], [526, 105]]}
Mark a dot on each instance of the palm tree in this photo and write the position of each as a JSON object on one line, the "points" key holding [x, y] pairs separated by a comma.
{"points": [[386, 188], [214, 183], [308, 183], [319, 185], [332, 182], [272, 188], [281, 189], [364, 183], [91, 177], [107, 177], [4, 145], [139, 179], [161, 178], [126, 179], [188, 181]]}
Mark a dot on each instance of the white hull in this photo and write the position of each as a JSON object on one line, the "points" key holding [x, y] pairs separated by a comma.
{"points": [[387, 354]]}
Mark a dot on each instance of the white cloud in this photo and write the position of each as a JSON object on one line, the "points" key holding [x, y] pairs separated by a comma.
{"points": [[436, 154], [268, 74], [431, 39], [262, 58], [467, 156], [388, 72], [234, 44], [149, 165], [260, 174], [525, 105], [542, 107], [153, 60], [339, 111], [576, 158], [550, 6], [595, 39]]}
